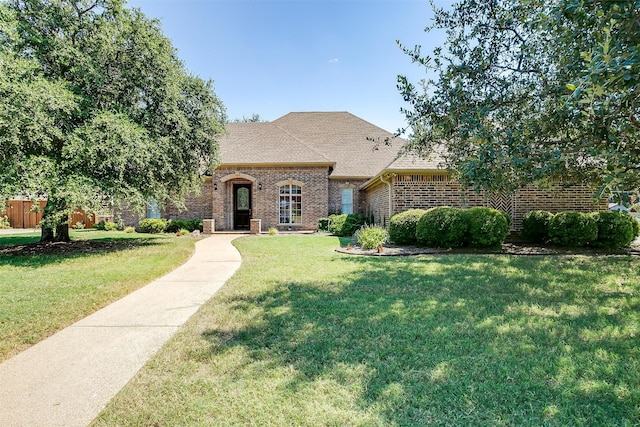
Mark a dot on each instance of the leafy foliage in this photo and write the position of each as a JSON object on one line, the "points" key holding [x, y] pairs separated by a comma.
{"points": [[174, 225], [573, 229], [98, 109], [402, 226], [442, 227], [487, 227], [615, 229], [323, 224], [110, 226], [527, 90], [4, 222], [152, 225], [370, 237], [535, 226], [346, 224]]}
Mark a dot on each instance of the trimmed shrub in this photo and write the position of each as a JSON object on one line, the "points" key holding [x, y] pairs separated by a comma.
{"points": [[370, 236], [402, 226], [273, 231], [442, 227], [487, 227], [573, 229], [345, 225], [100, 226], [535, 226], [323, 224], [110, 226], [78, 225], [615, 229], [336, 222], [152, 225], [175, 225], [636, 228], [129, 230]]}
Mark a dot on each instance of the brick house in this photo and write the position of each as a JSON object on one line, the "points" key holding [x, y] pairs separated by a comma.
{"points": [[304, 166]]}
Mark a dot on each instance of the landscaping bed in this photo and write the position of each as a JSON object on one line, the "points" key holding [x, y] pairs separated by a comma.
{"points": [[508, 248]]}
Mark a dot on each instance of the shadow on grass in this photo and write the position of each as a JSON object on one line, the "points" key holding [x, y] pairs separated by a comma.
{"points": [[460, 340], [22, 251]]}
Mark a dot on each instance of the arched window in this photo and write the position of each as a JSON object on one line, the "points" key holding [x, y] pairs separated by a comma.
{"points": [[290, 204]]}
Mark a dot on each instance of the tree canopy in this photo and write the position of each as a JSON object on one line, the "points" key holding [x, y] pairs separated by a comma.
{"points": [[254, 118], [525, 91], [96, 107]]}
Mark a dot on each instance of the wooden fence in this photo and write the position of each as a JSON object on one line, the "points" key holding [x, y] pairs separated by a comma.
{"points": [[21, 215]]}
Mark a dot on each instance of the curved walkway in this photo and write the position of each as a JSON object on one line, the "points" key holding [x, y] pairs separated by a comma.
{"points": [[67, 379]]}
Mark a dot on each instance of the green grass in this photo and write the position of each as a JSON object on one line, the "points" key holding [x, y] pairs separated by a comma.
{"points": [[304, 336], [40, 294]]}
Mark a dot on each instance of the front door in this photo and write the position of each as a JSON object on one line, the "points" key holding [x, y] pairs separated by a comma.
{"points": [[241, 206]]}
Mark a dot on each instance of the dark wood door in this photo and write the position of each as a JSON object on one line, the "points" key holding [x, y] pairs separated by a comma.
{"points": [[241, 206]]}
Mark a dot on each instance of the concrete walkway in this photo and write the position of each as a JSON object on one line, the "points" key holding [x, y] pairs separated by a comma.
{"points": [[67, 379]]}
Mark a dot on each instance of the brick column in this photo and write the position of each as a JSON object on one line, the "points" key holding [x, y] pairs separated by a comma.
{"points": [[256, 226], [208, 226]]}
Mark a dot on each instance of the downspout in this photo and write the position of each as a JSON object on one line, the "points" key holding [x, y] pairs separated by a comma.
{"points": [[388, 185]]}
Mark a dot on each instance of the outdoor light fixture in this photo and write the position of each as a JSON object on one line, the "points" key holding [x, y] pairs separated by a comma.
{"points": [[215, 186], [260, 186]]}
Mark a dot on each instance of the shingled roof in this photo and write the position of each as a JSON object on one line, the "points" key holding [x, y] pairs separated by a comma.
{"points": [[339, 139]]}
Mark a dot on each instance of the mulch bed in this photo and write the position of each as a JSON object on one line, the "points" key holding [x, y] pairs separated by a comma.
{"points": [[509, 248]]}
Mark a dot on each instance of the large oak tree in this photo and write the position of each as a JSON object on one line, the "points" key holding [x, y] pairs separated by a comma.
{"points": [[524, 91], [96, 107]]}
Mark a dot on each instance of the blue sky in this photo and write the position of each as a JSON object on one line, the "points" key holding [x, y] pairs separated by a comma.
{"points": [[274, 57]]}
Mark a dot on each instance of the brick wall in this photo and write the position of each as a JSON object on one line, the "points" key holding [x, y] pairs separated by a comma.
{"points": [[199, 205], [428, 191], [335, 195], [264, 201], [556, 199], [377, 198]]}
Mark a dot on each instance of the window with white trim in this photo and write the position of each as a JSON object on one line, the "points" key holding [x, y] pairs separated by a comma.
{"points": [[347, 201], [290, 204]]}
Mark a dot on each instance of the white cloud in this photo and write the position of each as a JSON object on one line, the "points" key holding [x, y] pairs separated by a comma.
{"points": [[334, 61]]}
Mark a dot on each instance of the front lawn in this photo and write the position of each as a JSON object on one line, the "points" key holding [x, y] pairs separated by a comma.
{"points": [[42, 290], [302, 335]]}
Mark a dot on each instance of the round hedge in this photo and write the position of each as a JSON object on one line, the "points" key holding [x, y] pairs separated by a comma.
{"points": [[615, 229], [487, 227], [402, 226], [535, 226], [345, 225], [442, 227], [152, 225], [573, 229]]}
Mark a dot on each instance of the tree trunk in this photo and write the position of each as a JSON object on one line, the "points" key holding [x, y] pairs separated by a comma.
{"points": [[46, 223], [62, 233], [47, 234], [54, 219]]}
